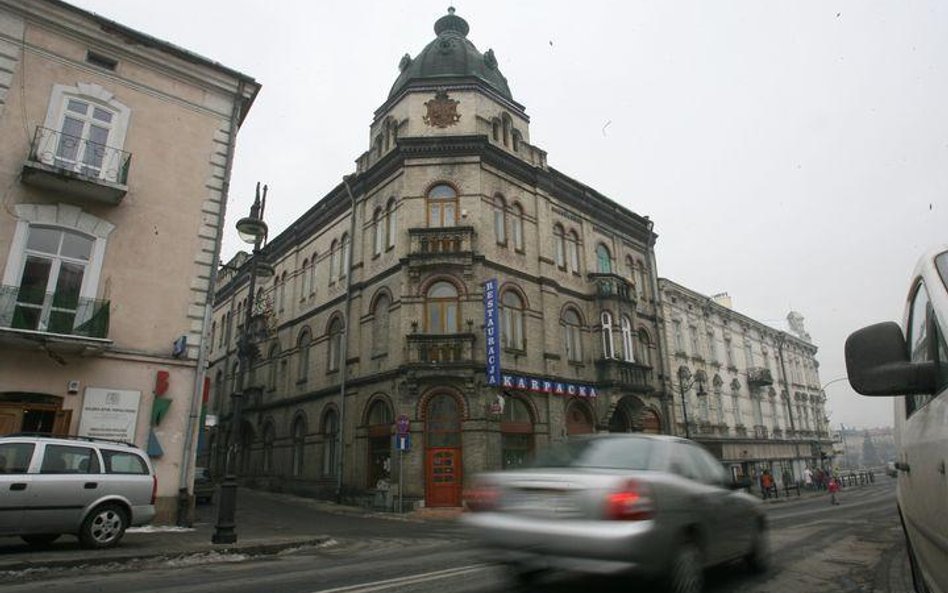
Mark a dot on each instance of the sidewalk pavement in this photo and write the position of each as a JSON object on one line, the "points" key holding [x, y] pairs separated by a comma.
{"points": [[267, 523]]}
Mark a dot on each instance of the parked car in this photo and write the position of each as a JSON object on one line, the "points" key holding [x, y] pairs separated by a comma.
{"points": [[650, 505], [910, 362], [88, 488], [203, 485]]}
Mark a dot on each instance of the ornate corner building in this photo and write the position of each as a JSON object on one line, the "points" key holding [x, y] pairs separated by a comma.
{"points": [[377, 309], [115, 154], [749, 392]]}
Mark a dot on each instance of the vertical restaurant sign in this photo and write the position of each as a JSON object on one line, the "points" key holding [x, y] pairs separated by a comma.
{"points": [[492, 332]]}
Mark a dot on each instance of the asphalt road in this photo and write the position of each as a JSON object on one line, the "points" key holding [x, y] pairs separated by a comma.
{"points": [[854, 547]]}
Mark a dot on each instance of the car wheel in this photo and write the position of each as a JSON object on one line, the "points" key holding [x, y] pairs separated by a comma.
{"points": [[758, 557], [104, 527], [40, 540], [686, 574]]}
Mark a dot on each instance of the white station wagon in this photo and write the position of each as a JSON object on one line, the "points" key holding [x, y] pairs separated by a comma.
{"points": [[88, 488], [911, 362]]}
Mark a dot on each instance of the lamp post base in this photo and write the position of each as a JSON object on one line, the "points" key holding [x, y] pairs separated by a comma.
{"points": [[224, 531]]}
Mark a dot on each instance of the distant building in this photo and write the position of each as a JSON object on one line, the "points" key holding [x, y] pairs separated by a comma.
{"points": [[761, 406], [377, 309], [114, 163]]}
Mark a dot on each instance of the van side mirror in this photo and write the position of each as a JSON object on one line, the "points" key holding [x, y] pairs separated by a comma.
{"points": [[877, 363]]}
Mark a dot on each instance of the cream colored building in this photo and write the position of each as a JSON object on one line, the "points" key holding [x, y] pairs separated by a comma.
{"points": [[114, 162], [377, 309], [761, 406]]}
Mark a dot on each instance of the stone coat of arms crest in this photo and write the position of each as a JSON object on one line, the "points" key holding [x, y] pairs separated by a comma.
{"points": [[442, 111]]}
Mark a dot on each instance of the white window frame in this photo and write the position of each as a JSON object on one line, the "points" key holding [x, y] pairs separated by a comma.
{"points": [[64, 217], [56, 113], [628, 351], [608, 346]]}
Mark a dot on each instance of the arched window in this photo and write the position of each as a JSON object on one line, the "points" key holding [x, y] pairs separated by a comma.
{"points": [[304, 280], [441, 304], [378, 225], [312, 275], [335, 344], [645, 348], [511, 321], [603, 259], [304, 348], [299, 445], [268, 437], [333, 258], [282, 294], [572, 250], [344, 255], [330, 442], [380, 316], [579, 418], [572, 340], [559, 246], [443, 422], [234, 379], [380, 443], [274, 361], [442, 206], [392, 224], [516, 226], [643, 279], [627, 348], [507, 125], [218, 388], [500, 220], [608, 346]]}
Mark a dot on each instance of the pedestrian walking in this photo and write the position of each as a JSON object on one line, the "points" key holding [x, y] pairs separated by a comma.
{"points": [[767, 483], [808, 478], [833, 489]]}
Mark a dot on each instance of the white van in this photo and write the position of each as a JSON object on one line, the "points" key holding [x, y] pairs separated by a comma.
{"points": [[881, 360]]}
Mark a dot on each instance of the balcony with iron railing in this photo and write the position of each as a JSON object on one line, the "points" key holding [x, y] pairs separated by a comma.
{"points": [[24, 312], [612, 287], [626, 375], [440, 246], [77, 166], [759, 377], [441, 349]]}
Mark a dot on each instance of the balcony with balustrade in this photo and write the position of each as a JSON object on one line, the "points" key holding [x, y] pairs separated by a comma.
{"points": [[440, 246], [612, 287], [441, 350], [759, 377], [77, 166], [625, 375]]}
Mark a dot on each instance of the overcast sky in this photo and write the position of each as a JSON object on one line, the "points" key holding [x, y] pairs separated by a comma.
{"points": [[792, 154]]}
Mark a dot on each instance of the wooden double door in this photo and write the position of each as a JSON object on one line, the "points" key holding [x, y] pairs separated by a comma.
{"points": [[33, 413]]}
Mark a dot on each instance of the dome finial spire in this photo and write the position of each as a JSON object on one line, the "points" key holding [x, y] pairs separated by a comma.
{"points": [[451, 22]]}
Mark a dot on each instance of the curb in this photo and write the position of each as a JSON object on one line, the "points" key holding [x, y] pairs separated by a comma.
{"points": [[250, 549]]}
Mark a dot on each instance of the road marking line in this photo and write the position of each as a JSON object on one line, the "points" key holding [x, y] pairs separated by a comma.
{"points": [[406, 580]]}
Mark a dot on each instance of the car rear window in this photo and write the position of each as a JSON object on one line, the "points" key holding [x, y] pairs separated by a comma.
{"points": [[15, 457], [118, 462], [607, 453]]}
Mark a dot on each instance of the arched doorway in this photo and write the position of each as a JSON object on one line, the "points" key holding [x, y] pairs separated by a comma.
{"points": [[579, 419], [649, 421], [443, 452], [34, 413]]}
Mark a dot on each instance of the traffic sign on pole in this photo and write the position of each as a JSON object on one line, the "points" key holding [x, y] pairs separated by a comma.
{"points": [[403, 442]]}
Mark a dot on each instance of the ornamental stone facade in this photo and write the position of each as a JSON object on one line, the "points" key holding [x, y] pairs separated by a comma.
{"points": [[376, 311], [751, 393]]}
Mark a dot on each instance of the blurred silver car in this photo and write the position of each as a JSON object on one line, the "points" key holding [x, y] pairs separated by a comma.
{"points": [[655, 506], [92, 489]]}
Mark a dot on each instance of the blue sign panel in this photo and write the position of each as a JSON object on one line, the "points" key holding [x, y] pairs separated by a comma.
{"points": [[492, 332], [403, 442], [542, 385]]}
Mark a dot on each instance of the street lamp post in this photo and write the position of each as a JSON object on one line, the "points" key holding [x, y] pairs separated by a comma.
{"points": [[686, 382], [252, 229]]}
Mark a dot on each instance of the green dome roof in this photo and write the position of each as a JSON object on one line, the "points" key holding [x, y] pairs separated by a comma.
{"points": [[451, 57]]}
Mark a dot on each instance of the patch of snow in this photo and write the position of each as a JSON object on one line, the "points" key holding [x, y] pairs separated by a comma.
{"points": [[206, 558], [159, 529], [326, 544]]}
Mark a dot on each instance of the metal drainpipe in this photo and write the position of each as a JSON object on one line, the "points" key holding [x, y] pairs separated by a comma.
{"points": [[781, 340], [344, 354], [184, 502]]}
